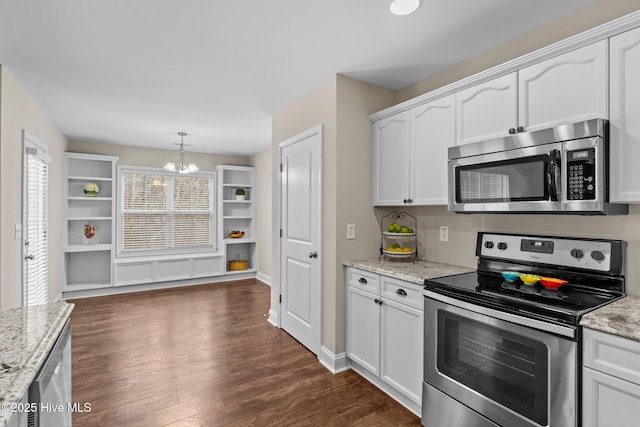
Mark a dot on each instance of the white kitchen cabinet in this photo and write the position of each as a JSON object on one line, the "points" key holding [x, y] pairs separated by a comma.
{"points": [[487, 110], [410, 154], [363, 328], [567, 88], [610, 379], [624, 126], [401, 348], [433, 131], [385, 334], [87, 263], [391, 156]]}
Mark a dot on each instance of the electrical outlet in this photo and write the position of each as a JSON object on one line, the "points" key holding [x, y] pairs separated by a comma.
{"points": [[351, 231], [444, 233]]}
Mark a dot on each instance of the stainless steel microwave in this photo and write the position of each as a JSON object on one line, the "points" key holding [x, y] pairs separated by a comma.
{"points": [[560, 170]]}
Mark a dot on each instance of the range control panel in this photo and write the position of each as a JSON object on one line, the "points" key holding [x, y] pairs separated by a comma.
{"points": [[587, 254]]}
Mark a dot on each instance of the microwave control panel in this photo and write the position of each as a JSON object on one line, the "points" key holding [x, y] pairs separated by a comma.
{"points": [[581, 174]]}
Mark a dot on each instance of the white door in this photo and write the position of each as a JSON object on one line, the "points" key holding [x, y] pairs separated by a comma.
{"points": [[363, 329], [34, 223], [301, 242]]}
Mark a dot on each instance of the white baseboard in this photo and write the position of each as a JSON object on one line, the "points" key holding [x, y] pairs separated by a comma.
{"points": [[114, 290], [273, 317], [58, 298], [335, 363], [263, 278]]}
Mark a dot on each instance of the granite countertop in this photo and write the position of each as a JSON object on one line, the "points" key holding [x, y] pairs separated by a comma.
{"points": [[407, 270], [621, 317], [28, 335]]}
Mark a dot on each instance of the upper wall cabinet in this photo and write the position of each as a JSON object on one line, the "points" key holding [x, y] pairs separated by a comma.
{"points": [[391, 159], [567, 88], [410, 154], [487, 110], [624, 126]]}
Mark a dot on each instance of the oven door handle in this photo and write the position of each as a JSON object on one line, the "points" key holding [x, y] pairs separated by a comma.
{"points": [[565, 331], [554, 174]]}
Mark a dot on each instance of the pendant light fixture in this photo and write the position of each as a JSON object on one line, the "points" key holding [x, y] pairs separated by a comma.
{"points": [[181, 164], [404, 7]]}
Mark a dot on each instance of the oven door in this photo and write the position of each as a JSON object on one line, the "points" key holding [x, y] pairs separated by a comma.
{"points": [[511, 374], [519, 180]]}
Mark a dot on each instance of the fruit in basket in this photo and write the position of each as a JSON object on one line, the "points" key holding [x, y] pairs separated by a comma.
{"points": [[407, 249], [396, 246], [390, 248], [236, 234]]}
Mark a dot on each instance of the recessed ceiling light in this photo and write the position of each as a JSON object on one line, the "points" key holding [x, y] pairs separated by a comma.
{"points": [[404, 7]]}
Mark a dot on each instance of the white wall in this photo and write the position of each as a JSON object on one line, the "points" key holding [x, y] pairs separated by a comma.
{"points": [[263, 200], [19, 111]]}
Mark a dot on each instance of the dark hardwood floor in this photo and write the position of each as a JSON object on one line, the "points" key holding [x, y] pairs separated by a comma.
{"points": [[206, 356]]}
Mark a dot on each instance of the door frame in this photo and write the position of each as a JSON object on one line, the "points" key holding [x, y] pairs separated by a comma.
{"points": [[316, 130]]}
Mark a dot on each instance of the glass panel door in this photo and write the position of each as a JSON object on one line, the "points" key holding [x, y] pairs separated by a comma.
{"points": [[507, 368]]}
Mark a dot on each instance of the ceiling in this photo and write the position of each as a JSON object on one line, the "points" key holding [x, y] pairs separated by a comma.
{"points": [[138, 72]]}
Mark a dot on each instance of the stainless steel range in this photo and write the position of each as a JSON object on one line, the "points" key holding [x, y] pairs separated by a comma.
{"points": [[503, 344]]}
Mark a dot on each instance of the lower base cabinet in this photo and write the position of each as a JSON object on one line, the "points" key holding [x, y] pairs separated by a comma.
{"points": [[385, 334], [610, 380]]}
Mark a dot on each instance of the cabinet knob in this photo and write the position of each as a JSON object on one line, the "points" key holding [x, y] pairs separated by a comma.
{"points": [[520, 129], [363, 280], [401, 292], [313, 254], [512, 131], [405, 201], [409, 200]]}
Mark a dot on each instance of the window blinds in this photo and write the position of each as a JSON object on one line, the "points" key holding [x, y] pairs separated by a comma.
{"points": [[161, 211], [35, 271]]}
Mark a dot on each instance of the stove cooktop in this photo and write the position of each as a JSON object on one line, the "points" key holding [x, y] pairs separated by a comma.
{"points": [[565, 305]]}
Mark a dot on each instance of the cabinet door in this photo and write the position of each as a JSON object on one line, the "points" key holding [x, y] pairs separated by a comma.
{"points": [[401, 348], [608, 401], [363, 329], [625, 117], [487, 110], [391, 160], [433, 131], [568, 88]]}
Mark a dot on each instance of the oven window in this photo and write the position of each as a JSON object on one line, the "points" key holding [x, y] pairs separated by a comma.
{"points": [[509, 369], [523, 179]]}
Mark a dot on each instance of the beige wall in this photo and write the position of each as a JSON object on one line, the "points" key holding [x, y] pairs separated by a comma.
{"points": [[19, 111], [597, 13], [463, 229], [154, 157], [342, 106], [263, 200]]}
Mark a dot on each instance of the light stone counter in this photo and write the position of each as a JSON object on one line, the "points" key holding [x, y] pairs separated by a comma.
{"points": [[408, 271], [27, 335], [621, 317]]}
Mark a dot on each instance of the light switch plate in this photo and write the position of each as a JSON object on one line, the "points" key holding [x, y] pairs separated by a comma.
{"points": [[444, 233], [351, 231]]}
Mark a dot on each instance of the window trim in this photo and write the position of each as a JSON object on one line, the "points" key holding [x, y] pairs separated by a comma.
{"points": [[172, 253]]}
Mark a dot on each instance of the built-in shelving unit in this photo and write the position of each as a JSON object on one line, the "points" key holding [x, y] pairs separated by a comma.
{"points": [[88, 263], [238, 214]]}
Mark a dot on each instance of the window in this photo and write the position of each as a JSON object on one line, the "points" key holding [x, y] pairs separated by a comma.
{"points": [[165, 212], [35, 189]]}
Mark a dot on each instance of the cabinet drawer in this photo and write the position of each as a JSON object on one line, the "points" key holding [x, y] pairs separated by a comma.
{"points": [[612, 354], [402, 292], [363, 280]]}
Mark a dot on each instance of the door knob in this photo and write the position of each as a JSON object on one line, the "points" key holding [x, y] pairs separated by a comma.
{"points": [[313, 254], [26, 257]]}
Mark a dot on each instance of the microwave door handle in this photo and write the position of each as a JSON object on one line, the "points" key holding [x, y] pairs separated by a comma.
{"points": [[554, 175]]}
